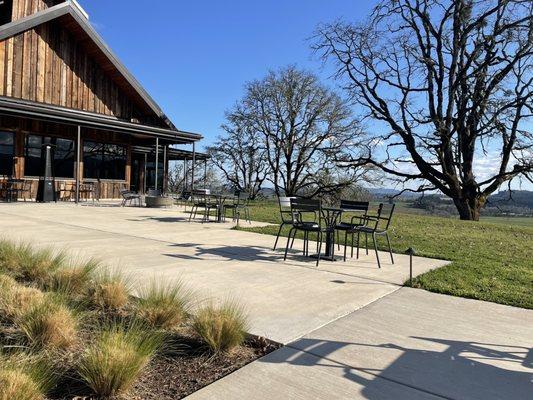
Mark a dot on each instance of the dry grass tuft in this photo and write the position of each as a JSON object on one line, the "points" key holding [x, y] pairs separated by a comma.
{"points": [[50, 325], [74, 282], [16, 299], [22, 378], [163, 305], [115, 360], [222, 327], [110, 291]]}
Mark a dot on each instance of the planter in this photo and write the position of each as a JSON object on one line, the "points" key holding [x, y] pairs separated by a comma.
{"points": [[158, 202]]}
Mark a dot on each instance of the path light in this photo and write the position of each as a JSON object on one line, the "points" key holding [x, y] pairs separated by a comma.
{"points": [[411, 252]]}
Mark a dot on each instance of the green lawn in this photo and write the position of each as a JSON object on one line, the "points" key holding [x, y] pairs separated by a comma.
{"points": [[490, 261]]}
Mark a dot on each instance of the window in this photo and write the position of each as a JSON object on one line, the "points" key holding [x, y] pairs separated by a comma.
{"points": [[104, 161], [150, 172], [64, 156], [6, 11], [7, 151]]}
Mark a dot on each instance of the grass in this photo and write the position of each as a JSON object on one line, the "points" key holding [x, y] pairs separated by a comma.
{"points": [[110, 290], [41, 313], [489, 261], [24, 378], [49, 325], [163, 305], [221, 327], [116, 358]]}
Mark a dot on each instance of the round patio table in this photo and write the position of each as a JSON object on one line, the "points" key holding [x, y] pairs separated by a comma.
{"points": [[330, 217]]}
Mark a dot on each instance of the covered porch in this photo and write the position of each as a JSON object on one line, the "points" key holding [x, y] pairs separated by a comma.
{"points": [[92, 153]]}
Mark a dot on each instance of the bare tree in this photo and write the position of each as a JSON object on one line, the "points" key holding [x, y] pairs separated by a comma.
{"points": [[240, 156], [451, 82], [302, 125]]}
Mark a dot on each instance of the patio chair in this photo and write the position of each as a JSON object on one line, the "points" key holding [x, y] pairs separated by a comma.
{"points": [[356, 221], [377, 225], [128, 197], [26, 190], [286, 215], [239, 204], [202, 200], [306, 217]]}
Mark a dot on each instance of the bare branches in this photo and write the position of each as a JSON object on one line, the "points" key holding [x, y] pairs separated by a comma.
{"points": [[451, 79]]}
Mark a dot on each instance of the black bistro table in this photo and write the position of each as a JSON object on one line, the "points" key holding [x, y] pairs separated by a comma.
{"points": [[330, 217], [219, 199]]}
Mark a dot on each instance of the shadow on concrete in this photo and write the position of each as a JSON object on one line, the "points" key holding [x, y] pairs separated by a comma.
{"points": [[462, 370]]}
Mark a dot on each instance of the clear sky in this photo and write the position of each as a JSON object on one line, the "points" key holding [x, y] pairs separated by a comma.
{"points": [[193, 57]]}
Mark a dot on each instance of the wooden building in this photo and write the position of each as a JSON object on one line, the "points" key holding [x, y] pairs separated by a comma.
{"points": [[62, 85]]}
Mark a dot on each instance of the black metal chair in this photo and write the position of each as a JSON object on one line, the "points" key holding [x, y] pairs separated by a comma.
{"points": [[356, 221], [286, 215], [128, 197], [200, 199], [306, 217], [377, 225], [240, 204]]}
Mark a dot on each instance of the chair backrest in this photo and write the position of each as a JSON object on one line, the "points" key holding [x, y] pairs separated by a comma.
{"points": [[299, 207], [285, 208], [385, 212], [353, 205]]}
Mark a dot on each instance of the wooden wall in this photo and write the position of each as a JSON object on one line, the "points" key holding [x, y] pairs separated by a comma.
{"points": [[23, 8], [47, 65]]}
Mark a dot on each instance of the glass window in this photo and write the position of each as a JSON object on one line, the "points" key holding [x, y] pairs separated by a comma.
{"points": [[150, 172], [64, 154], [104, 161], [7, 151]]}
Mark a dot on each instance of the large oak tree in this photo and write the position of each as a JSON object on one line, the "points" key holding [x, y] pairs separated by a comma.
{"points": [[451, 82]]}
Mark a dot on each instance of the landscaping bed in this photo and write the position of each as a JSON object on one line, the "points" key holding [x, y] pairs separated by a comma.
{"points": [[72, 329]]}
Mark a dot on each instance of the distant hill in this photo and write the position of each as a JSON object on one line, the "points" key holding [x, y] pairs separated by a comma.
{"points": [[518, 198]]}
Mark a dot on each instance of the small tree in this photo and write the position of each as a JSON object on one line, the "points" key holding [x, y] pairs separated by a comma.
{"points": [[302, 126], [451, 82], [240, 156]]}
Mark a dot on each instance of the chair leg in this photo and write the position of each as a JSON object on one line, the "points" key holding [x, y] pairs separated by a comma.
{"points": [[345, 244], [277, 237], [390, 248], [338, 241], [319, 248], [358, 241], [366, 243], [292, 244], [376, 249], [288, 242]]}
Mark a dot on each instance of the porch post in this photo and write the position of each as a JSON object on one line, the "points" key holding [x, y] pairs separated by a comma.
{"points": [[156, 161], [165, 169], [78, 151], [185, 175], [145, 171], [193, 165], [205, 172]]}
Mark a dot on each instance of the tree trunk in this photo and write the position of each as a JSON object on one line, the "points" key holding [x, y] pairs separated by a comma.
{"points": [[469, 209]]}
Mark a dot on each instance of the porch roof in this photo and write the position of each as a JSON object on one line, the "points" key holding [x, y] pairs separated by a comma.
{"points": [[173, 154], [45, 112]]}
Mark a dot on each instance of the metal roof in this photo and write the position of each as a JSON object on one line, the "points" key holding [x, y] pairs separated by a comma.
{"points": [[45, 112], [172, 153]]}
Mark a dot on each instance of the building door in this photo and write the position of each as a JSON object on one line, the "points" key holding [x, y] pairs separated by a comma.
{"points": [[138, 177]]}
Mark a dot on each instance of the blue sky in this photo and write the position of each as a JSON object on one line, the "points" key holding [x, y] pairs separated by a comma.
{"points": [[193, 57]]}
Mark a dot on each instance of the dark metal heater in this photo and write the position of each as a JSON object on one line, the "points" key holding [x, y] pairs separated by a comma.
{"points": [[46, 190]]}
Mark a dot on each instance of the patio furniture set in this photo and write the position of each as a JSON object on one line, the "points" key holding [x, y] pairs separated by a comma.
{"points": [[311, 217], [238, 204], [11, 190]]}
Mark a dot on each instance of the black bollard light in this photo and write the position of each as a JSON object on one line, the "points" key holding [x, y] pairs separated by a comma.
{"points": [[411, 252]]}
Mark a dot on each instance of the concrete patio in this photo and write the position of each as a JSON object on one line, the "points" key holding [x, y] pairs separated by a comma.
{"points": [[286, 300], [351, 330]]}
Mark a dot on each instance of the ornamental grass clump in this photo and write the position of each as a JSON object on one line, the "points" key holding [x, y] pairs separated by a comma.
{"points": [[221, 327], [16, 299], [110, 290], [163, 305], [25, 263], [49, 325], [116, 358], [23, 378], [74, 281]]}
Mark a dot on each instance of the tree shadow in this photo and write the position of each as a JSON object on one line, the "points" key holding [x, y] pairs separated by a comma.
{"points": [[457, 370]]}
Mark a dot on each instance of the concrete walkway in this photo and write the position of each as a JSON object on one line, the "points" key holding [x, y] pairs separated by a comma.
{"points": [[285, 300], [408, 345]]}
